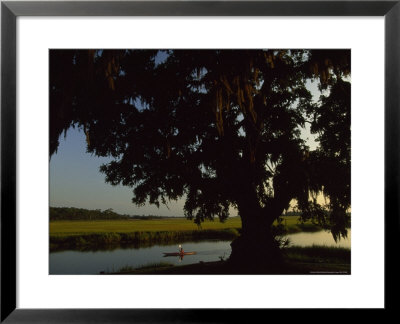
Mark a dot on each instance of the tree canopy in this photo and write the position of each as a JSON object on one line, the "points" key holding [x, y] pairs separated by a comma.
{"points": [[220, 128]]}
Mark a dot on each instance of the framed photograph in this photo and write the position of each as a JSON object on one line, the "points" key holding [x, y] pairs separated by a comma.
{"points": [[128, 127]]}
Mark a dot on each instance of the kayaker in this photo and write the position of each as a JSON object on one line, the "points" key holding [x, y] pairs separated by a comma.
{"points": [[181, 250]]}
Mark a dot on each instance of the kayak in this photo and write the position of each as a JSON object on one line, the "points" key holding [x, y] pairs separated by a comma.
{"points": [[177, 253]]}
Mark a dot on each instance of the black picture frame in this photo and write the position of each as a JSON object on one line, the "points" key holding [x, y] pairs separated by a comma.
{"points": [[10, 10]]}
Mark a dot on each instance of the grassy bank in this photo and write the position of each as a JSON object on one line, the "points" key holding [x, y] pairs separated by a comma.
{"points": [[317, 253], [110, 240], [103, 234], [299, 260]]}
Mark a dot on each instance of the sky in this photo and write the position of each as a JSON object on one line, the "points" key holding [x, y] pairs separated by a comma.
{"points": [[75, 180]]}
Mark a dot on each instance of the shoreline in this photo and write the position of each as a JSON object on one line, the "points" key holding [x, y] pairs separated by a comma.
{"points": [[298, 260], [112, 240]]}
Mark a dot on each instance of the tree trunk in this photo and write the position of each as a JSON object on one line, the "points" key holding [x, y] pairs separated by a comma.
{"points": [[256, 250]]}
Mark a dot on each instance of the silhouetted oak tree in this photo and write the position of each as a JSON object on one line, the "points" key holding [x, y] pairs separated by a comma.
{"points": [[220, 128]]}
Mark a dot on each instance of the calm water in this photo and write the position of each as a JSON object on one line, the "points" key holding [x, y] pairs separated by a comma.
{"points": [[318, 238], [76, 262]]}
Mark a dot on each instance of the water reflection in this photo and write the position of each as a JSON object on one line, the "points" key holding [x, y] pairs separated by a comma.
{"points": [[318, 238]]}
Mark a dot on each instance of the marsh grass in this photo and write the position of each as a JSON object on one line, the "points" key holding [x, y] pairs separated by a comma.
{"points": [[109, 234], [68, 228], [318, 254]]}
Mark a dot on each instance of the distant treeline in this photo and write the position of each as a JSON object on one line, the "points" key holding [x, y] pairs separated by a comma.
{"points": [[72, 213]]}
